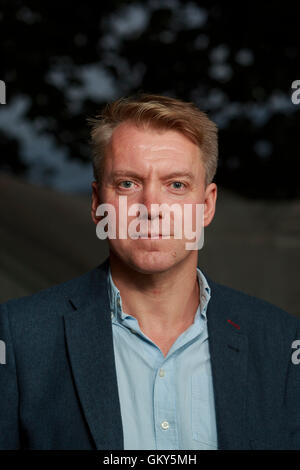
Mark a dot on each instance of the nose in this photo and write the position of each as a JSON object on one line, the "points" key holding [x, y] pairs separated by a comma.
{"points": [[151, 195]]}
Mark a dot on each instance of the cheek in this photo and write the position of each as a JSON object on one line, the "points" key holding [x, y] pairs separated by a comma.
{"points": [[194, 219], [190, 218], [188, 213]]}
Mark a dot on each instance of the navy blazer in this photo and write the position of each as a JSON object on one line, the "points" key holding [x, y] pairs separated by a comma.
{"points": [[58, 388]]}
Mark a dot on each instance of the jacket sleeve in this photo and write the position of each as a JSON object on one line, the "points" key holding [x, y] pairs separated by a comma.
{"points": [[9, 397]]}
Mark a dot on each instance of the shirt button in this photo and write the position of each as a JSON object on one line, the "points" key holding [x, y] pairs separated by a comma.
{"points": [[132, 331], [112, 315], [161, 373], [165, 425]]}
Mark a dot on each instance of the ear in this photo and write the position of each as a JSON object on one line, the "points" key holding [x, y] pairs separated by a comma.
{"points": [[95, 202], [210, 203]]}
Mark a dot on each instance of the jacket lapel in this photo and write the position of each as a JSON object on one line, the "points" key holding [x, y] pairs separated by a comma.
{"points": [[228, 346], [90, 346]]}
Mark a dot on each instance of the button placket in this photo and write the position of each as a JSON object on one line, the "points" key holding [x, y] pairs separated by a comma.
{"points": [[165, 406]]}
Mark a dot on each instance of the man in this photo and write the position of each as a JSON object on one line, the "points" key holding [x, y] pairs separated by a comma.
{"points": [[145, 351]]}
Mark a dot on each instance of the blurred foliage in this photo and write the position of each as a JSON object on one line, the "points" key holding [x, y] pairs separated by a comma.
{"points": [[234, 59]]}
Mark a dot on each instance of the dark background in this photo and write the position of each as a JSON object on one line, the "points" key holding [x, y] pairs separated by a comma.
{"points": [[62, 61]]}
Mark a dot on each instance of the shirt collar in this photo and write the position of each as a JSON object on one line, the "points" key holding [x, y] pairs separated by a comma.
{"points": [[116, 301]]}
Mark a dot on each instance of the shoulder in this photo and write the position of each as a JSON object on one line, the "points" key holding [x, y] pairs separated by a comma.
{"points": [[255, 313], [55, 299]]}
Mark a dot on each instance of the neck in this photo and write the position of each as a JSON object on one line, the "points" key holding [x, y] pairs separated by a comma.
{"points": [[164, 303]]}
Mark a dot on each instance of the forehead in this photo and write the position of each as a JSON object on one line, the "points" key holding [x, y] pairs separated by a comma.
{"points": [[147, 147]]}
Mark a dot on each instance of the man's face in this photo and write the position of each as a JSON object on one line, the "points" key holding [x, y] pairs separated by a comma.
{"points": [[151, 166]]}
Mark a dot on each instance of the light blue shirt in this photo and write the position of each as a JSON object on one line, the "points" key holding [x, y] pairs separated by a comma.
{"points": [[167, 402]]}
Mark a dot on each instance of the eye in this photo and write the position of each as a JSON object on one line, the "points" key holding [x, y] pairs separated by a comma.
{"points": [[178, 185], [126, 184]]}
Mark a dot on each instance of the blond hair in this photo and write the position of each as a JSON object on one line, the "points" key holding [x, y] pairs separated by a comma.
{"points": [[159, 112]]}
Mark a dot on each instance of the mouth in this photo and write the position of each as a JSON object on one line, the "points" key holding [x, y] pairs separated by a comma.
{"points": [[154, 236]]}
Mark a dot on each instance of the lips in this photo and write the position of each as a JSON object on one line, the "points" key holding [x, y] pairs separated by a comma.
{"points": [[154, 235]]}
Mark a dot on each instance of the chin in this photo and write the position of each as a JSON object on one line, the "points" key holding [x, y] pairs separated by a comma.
{"points": [[150, 257], [154, 261]]}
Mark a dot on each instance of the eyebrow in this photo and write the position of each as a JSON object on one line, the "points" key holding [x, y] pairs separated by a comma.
{"points": [[174, 174]]}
